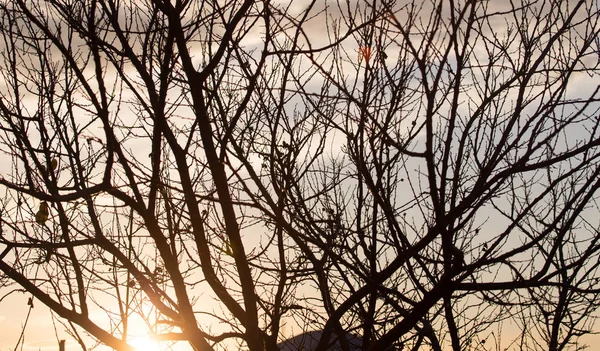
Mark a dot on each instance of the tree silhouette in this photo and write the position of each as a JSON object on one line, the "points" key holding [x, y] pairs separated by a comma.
{"points": [[421, 174]]}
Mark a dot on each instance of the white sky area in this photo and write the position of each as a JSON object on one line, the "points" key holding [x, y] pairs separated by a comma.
{"points": [[41, 335]]}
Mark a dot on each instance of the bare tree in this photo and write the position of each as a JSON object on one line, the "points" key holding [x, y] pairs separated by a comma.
{"points": [[423, 175]]}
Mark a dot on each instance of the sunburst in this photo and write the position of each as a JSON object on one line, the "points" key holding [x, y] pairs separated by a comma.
{"points": [[144, 343]]}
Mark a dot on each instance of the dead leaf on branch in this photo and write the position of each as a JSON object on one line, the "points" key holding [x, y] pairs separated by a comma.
{"points": [[43, 212]]}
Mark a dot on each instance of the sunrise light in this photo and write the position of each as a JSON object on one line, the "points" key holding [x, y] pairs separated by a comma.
{"points": [[144, 343]]}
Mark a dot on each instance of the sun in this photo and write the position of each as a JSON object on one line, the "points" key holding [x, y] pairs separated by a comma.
{"points": [[143, 343]]}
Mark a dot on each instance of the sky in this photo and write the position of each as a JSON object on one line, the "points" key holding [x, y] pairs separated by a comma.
{"points": [[40, 333]]}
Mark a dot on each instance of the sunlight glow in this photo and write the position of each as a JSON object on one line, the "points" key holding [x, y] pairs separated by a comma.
{"points": [[143, 343]]}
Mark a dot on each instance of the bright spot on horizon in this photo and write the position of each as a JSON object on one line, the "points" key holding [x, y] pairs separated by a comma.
{"points": [[143, 343]]}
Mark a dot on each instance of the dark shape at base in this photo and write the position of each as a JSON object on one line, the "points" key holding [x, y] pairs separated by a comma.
{"points": [[308, 341]]}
